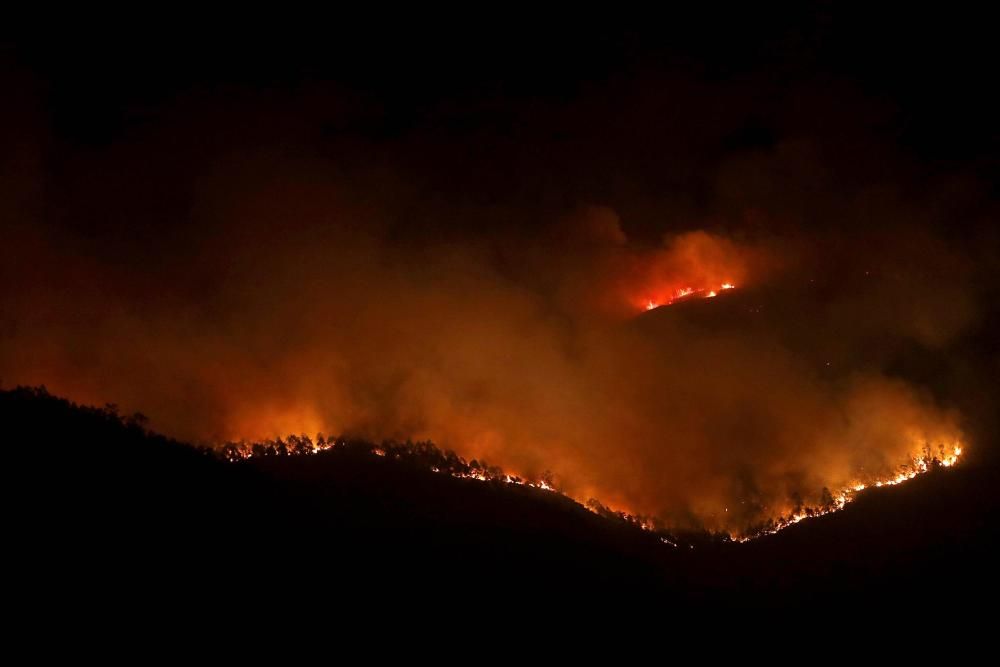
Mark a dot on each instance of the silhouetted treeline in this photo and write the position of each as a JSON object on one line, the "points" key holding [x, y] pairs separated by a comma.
{"points": [[423, 454], [101, 507], [426, 456]]}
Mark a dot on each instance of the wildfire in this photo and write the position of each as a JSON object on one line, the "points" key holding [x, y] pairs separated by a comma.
{"points": [[458, 468], [683, 292], [917, 466], [304, 446]]}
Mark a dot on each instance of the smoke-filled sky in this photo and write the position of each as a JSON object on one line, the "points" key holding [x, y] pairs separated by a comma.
{"points": [[415, 234]]}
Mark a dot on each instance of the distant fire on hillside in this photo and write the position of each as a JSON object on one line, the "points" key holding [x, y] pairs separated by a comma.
{"points": [[685, 292], [448, 463]]}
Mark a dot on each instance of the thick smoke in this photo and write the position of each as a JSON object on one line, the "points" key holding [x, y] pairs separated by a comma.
{"points": [[249, 279]]}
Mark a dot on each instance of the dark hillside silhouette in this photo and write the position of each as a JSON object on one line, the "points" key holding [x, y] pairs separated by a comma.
{"points": [[101, 505]]}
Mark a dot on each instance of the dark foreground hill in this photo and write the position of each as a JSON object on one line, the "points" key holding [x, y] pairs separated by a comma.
{"points": [[99, 506]]}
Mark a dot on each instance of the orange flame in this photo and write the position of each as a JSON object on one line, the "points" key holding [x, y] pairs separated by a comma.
{"points": [[684, 292], [917, 466], [242, 451]]}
